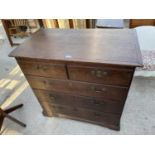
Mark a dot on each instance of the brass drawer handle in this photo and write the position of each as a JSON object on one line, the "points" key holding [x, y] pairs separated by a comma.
{"points": [[41, 67], [52, 99], [99, 73], [98, 90]]}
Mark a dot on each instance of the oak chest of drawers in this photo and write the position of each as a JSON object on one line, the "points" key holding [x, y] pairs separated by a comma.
{"points": [[81, 74]]}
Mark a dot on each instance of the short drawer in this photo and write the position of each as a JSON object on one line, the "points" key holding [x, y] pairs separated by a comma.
{"points": [[43, 69], [111, 120], [103, 75], [97, 104], [79, 88]]}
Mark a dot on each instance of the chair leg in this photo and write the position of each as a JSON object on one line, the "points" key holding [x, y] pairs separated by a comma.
{"points": [[13, 108], [1, 121], [4, 113], [14, 120]]}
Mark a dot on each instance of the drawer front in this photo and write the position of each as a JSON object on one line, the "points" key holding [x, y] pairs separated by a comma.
{"points": [[43, 69], [79, 88], [88, 115], [97, 104], [102, 75]]}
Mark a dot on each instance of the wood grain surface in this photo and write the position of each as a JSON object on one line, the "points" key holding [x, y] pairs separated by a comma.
{"points": [[85, 45]]}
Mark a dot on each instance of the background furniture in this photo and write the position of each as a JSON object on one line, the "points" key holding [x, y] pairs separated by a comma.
{"points": [[146, 38], [110, 23], [68, 23], [5, 113], [20, 28], [141, 22], [145, 29], [6, 28], [81, 74]]}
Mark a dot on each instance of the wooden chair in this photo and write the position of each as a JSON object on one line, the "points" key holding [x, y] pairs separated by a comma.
{"points": [[18, 27], [5, 113]]}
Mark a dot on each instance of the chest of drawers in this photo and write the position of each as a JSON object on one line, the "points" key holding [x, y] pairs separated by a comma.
{"points": [[81, 74]]}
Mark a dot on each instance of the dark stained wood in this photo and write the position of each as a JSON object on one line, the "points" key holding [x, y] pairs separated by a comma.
{"points": [[79, 88], [141, 22], [87, 64], [6, 28], [1, 122], [43, 69], [100, 74], [40, 21], [81, 74], [105, 119], [71, 23], [99, 104], [5, 114], [88, 23], [93, 23], [84, 45]]}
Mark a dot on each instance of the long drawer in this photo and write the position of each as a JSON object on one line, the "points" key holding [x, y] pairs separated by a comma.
{"points": [[98, 104], [54, 70], [111, 120], [79, 88], [103, 75]]}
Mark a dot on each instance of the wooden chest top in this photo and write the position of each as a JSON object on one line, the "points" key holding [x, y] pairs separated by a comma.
{"points": [[106, 46]]}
